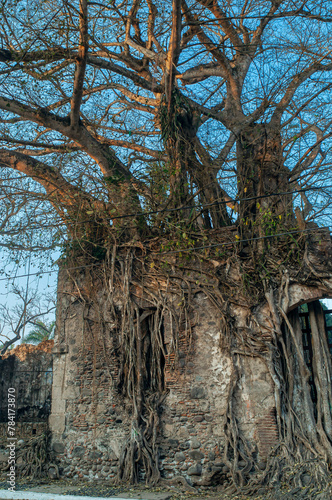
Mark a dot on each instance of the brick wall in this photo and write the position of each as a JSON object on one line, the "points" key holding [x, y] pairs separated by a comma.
{"points": [[89, 421]]}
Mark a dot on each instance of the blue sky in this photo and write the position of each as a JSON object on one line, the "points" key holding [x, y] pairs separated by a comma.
{"points": [[27, 278]]}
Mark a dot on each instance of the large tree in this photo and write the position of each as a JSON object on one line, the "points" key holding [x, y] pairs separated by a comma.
{"points": [[141, 125]]}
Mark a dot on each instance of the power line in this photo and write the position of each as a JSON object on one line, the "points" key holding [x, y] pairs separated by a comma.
{"points": [[203, 247], [177, 209], [280, 15], [223, 202], [50, 271], [230, 243]]}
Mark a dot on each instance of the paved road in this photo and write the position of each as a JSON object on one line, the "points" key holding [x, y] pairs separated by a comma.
{"points": [[43, 495], [31, 495]]}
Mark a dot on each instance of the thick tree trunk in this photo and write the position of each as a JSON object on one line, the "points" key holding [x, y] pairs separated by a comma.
{"points": [[261, 177], [179, 130], [210, 193]]}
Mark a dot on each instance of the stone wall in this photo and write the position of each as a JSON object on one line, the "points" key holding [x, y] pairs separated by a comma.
{"points": [[193, 418], [89, 423], [27, 369]]}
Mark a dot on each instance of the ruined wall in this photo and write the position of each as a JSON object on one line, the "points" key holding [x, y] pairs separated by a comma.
{"points": [[27, 369], [193, 419], [89, 423]]}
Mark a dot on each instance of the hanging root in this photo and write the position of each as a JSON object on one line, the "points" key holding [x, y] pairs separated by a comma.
{"points": [[142, 357], [300, 463], [290, 473], [139, 457], [180, 482], [33, 459], [140, 299], [311, 473]]}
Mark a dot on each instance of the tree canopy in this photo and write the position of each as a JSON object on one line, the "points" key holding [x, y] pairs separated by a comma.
{"points": [[113, 110]]}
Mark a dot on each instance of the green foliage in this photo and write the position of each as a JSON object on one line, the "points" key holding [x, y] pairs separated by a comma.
{"points": [[328, 317], [114, 180], [156, 177], [178, 239], [269, 222], [42, 331]]}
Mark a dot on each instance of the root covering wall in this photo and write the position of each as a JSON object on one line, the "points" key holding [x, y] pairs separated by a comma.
{"points": [[90, 420]]}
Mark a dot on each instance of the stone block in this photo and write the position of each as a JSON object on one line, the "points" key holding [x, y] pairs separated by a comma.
{"points": [[194, 443], [60, 349], [195, 470], [197, 392], [180, 457], [196, 455], [58, 447], [78, 451], [198, 418]]}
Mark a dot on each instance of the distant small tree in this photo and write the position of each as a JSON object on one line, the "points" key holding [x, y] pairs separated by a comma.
{"points": [[27, 311], [41, 331], [328, 317]]}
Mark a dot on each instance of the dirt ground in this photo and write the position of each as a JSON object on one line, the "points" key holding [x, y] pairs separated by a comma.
{"points": [[105, 489]]}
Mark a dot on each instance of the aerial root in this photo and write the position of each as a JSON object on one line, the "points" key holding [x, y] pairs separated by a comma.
{"points": [[33, 459]]}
